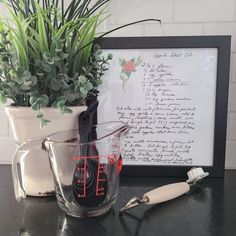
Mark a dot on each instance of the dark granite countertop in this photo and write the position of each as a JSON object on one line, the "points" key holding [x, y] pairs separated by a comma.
{"points": [[209, 210]]}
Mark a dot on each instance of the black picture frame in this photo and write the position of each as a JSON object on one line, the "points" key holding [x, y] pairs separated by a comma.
{"points": [[223, 44]]}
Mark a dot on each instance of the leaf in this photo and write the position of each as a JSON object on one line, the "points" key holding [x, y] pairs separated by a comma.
{"points": [[98, 82], [67, 110], [61, 103], [18, 36], [128, 74], [21, 25], [98, 58], [86, 35], [88, 86], [82, 79], [46, 56], [21, 49], [34, 45], [123, 77], [110, 56], [44, 122], [26, 76], [25, 86], [63, 56], [38, 102], [99, 52], [83, 91], [33, 98], [3, 98], [56, 85], [122, 61], [43, 42], [39, 115], [33, 80], [46, 67], [20, 70], [139, 61], [70, 96]]}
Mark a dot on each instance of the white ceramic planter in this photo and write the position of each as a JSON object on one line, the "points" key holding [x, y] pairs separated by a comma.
{"points": [[37, 173]]}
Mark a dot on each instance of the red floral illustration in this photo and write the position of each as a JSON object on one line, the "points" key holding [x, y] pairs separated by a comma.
{"points": [[128, 67]]}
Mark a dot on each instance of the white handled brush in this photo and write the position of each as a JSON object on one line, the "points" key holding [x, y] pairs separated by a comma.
{"points": [[167, 192]]}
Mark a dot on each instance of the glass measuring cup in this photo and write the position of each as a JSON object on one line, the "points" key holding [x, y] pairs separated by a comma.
{"points": [[86, 175]]}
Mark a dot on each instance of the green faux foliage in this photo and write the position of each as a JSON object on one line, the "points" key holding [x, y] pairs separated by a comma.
{"points": [[46, 55]]}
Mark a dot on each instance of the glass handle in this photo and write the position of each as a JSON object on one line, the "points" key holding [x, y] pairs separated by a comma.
{"points": [[18, 167]]}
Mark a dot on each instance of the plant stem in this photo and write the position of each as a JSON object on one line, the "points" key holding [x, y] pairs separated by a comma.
{"points": [[96, 6], [2, 77], [120, 27], [13, 6], [84, 7], [62, 11], [104, 62]]}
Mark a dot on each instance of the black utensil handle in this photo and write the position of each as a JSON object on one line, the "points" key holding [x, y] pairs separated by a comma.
{"points": [[88, 190]]}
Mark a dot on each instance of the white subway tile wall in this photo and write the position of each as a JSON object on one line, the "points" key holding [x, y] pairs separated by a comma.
{"points": [[7, 148], [7, 144], [233, 68], [179, 17], [232, 126], [232, 98], [230, 155], [204, 10], [125, 11], [3, 124], [222, 28], [172, 29]]}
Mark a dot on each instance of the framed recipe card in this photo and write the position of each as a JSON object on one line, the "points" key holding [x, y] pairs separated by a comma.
{"points": [[172, 92]]}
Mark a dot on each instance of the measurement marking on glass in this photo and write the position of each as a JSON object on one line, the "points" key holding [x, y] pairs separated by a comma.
{"points": [[100, 191], [101, 179]]}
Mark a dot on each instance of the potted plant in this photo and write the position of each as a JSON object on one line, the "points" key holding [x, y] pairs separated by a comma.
{"points": [[48, 66]]}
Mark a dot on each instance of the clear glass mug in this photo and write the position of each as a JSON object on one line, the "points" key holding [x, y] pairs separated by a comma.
{"points": [[86, 175]]}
